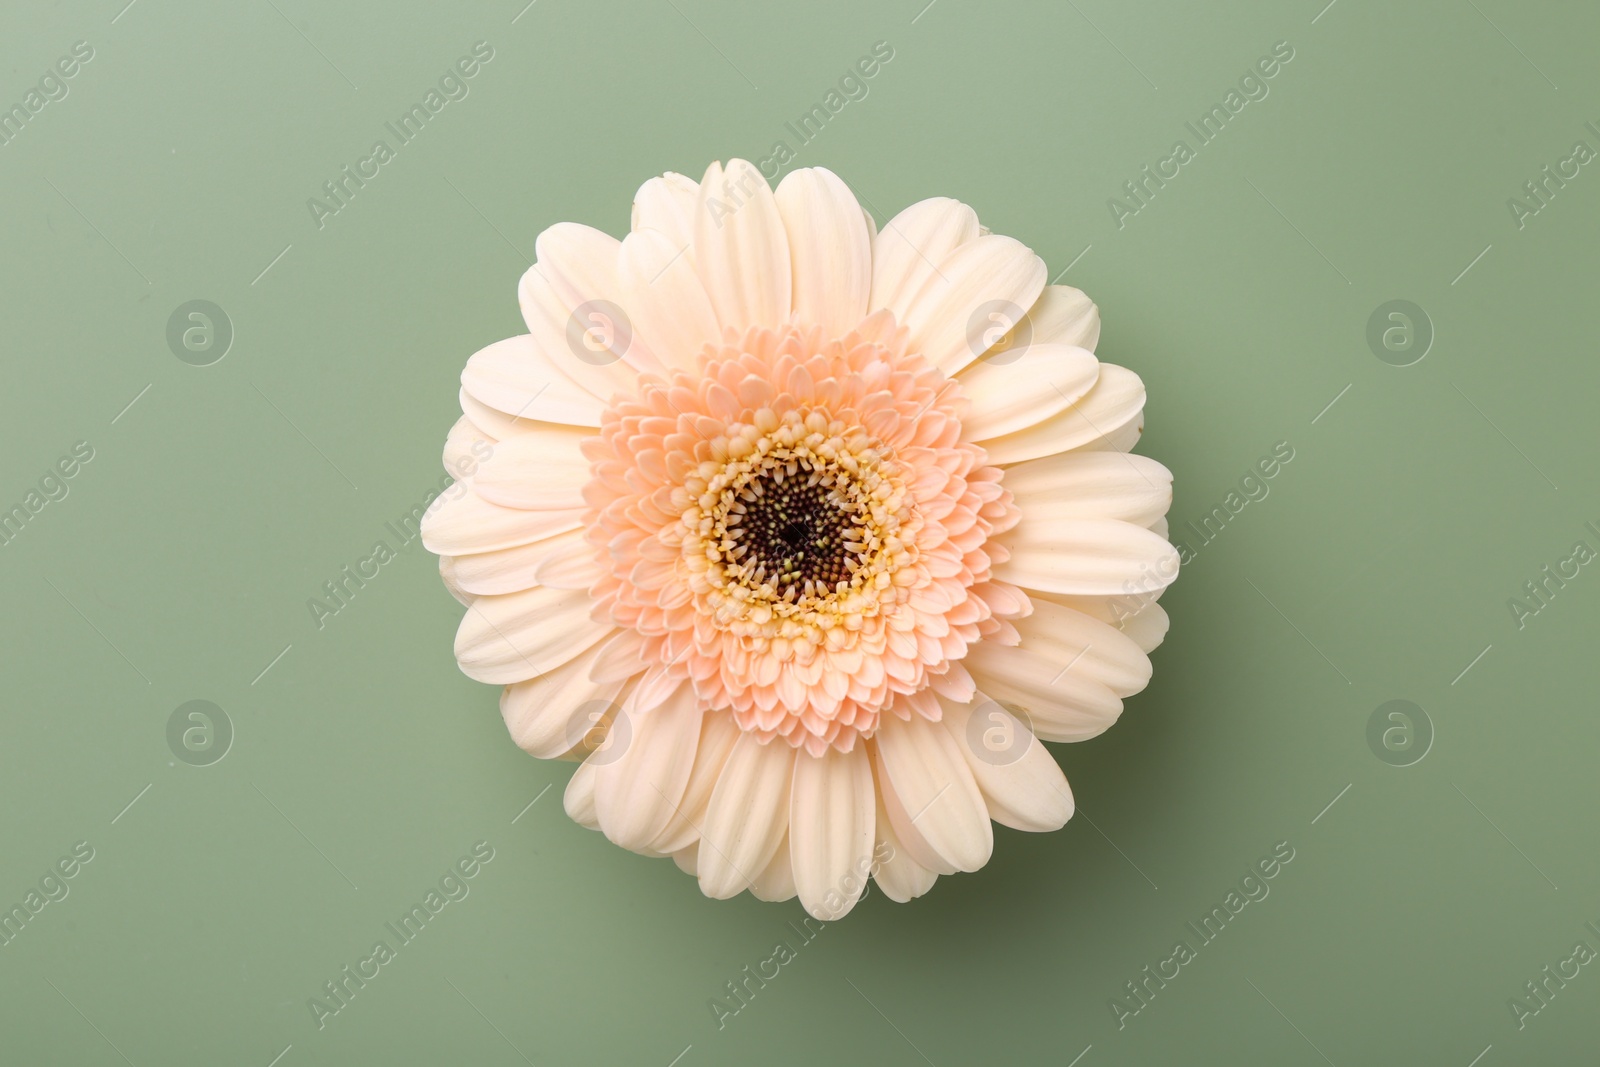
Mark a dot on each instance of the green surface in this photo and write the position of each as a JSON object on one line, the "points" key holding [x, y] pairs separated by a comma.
{"points": [[363, 766]]}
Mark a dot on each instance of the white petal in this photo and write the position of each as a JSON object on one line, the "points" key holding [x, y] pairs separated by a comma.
{"points": [[688, 859], [579, 798], [543, 714], [830, 253], [637, 790], [831, 813], [1064, 315], [741, 250], [1020, 781], [1023, 386], [1113, 408], [1086, 557], [1092, 485], [522, 635], [718, 733], [461, 521], [949, 318], [746, 817], [516, 377], [667, 204], [669, 307], [929, 775], [541, 470], [907, 251], [775, 883]]}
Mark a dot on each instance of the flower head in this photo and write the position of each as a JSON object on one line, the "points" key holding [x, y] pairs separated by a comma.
{"points": [[801, 535]]}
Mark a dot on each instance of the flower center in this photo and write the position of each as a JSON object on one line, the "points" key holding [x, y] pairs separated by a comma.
{"points": [[797, 529]]}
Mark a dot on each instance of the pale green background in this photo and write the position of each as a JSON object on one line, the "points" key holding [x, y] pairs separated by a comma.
{"points": [[180, 564]]}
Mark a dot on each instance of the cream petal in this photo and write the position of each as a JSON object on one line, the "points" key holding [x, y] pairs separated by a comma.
{"points": [[516, 377], [1024, 386], [1086, 557], [583, 264], [907, 836], [466, 446], [541, 470], [1113, 610], [830, 253], [1019, 779], [688, 859], [517, 636], [571, 563], [741, 249], [637, 790], [621, 657], [668, 305], [559, 333], [900, 876], [1111, 409], [580, 262], [948, 318], [929, 775], [746, 817], [1094, 649], [592, 724], [1137, 616], [1148, 627], [954, 682], [718, 733], [1124, 438], [775, 883], [1092, 485], [579, 797], [543, 714], [1059, 704], [666, 204], [1064, 315], [447, 573], [907, 251], [459, 522], [657, 683], [492, 424], [508, 570], [831, 813]]}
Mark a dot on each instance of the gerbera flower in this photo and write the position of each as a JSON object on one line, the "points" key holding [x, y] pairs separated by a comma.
{"points": [[801, 534]]}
